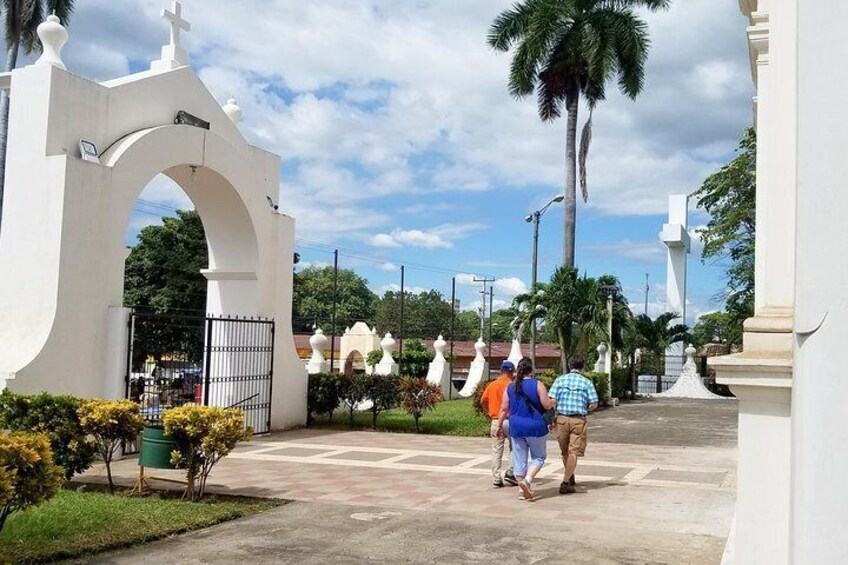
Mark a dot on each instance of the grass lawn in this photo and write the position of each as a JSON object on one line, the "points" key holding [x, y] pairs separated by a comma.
{"points": [[74, 524], [451, 418]]}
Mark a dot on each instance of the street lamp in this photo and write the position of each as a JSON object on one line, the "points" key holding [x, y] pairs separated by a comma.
{"points": [[534, 218], [610, 291]]}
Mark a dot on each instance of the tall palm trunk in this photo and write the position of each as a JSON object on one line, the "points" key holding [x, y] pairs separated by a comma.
{"points": [[11, 63], [572, 103]]}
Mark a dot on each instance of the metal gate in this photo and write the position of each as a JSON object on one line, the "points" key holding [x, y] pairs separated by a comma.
{"points": [[175, 359]]}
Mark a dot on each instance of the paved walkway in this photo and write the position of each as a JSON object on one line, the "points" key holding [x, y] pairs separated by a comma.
{"points": [[651, 498]]}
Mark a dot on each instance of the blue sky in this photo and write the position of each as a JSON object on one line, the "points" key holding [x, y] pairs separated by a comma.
{"points": [[400, 142]]}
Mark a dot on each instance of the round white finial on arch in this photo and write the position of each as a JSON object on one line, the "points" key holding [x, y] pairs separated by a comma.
{"points": [[602, 349], [439, 346], [53, 37], [232, 110]]}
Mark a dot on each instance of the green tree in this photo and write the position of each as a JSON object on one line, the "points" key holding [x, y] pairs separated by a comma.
{"points": [[502, 324], [575, 309], [313, 299], [729, 196], [466, 326], [655, 335], [28, 475], [163, 269], [425, 315], [717, 327], [415, 359], [568, 49], [22, 18]]}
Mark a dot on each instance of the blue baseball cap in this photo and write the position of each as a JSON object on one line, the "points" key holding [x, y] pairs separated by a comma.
{"points": [[508, 366]]}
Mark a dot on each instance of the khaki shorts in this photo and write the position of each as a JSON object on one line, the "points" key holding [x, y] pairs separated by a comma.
{"points": [[572, 435]]}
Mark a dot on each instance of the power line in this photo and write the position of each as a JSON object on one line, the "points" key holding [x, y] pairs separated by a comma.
{"points": [[325, 247]]}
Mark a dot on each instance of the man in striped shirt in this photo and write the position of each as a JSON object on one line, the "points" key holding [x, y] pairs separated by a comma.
{"points": [[576, 397]]}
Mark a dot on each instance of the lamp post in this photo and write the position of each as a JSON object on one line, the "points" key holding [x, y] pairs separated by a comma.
{"points": [[535, 217], [610, 291]]}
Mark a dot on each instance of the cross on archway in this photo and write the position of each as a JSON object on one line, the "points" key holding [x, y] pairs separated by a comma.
{"points": [[177, 22], [173, 54]]}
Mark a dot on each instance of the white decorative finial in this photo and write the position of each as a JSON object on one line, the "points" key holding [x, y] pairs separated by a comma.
{"points": [[318, 342], [173, 55], [232, 110], [439, 346], [690, 354], [53, 37], [388, 346]]}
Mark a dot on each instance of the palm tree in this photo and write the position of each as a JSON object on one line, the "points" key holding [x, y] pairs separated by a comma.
{"points": [[575, 308], [565, 49], [657, 334], [22, 18]]}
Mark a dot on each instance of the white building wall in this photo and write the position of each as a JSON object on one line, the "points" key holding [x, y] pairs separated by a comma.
{"points": [[819, 424]]}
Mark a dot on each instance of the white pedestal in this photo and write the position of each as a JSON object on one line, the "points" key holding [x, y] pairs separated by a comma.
{"points": [[313, 368]]}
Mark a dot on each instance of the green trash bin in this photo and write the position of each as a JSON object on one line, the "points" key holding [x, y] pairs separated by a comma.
{"points": [[156, 448]]}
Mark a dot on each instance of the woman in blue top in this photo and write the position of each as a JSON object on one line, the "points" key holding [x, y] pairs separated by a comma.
{"points": [[521, 404]]}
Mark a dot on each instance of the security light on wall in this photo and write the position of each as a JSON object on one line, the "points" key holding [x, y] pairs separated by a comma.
{"points": [[88, 151]]}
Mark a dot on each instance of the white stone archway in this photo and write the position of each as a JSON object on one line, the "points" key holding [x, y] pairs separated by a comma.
{"points": [[358, 339], [62, 324]]}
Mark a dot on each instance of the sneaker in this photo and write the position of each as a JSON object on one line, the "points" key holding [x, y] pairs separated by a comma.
{"points": [[566, 488], [526, 489], [509, 479], [498, 484]]}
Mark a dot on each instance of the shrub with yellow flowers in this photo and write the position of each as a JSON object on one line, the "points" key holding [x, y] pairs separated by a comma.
{"points": [[204, 435], [110, 422], [28, 475]]}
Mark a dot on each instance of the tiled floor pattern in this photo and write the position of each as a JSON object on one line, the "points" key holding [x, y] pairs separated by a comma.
{"points": [[442, 474], [449, 462]]}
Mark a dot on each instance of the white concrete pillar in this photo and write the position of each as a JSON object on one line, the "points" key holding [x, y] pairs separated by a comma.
{"points": [[675, 235], [819, 424], [317, 363]]}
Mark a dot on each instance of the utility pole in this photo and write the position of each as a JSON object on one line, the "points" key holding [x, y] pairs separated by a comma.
{"points": [[335, 302], [484, 293], [647, 288], [491, 303]]}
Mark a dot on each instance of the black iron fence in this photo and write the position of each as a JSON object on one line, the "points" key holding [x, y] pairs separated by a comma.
{"points": [[176, 358]]}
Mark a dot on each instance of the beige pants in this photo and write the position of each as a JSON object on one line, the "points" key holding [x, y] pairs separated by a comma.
{"points": [[498, 450]]}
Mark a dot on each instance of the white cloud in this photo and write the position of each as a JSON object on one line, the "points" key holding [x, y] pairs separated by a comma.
{"points": [[389, 267], [370, 99], [510, 287], [384, 240], [644, 251], [439, 237]]}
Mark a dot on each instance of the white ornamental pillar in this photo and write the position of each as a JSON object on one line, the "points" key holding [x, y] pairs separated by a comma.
{"points": [[761, 376], [477, 372], [317, 363], [387, 365], [675, 236], [515, 353], [439, 372]]}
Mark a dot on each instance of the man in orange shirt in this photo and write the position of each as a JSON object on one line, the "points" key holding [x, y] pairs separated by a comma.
{"points": [[491, 403]]}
